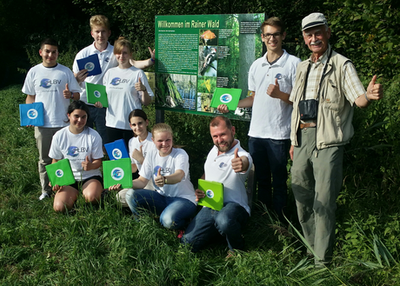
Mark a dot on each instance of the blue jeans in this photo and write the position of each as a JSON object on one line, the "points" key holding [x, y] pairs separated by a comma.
{"points": [[98, 117], [270, 157], [174, 212], [228, 222]]}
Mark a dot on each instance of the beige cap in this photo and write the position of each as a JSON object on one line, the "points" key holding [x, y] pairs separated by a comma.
{"points": [[313, 20]]}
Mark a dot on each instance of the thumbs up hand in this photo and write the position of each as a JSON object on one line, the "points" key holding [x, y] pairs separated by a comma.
{"points": [[139, 86], [237, 162], [274, 90], [138, 155], [374, 90], [67, 93], [159, 180], [87, 165]]}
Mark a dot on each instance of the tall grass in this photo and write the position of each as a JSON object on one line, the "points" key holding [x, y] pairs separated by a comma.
{"points": [[103, 245]]}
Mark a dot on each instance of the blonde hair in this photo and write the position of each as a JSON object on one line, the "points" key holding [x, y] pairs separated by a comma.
{"points": [[99, 20], [162, 127], [120, 44]]}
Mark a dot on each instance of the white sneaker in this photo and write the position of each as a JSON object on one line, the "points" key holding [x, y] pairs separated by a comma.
{"points": [[43, 196]]}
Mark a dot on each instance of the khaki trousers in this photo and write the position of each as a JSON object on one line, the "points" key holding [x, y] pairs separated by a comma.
{"points": [[43, 138], [316, 183]]}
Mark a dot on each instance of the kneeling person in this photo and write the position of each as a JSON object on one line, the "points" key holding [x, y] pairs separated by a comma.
{"points": [[174, 199], [83, 147], [227, 163]]}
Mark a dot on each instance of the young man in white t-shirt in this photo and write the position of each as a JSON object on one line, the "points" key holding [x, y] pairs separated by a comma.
{"points": [[55, 86], [100, 31], [270, 82], [227, 163]]}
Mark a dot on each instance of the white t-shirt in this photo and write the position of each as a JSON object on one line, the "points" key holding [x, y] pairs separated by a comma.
{"points": [[107, 60], [122, 95], [76, 147], [219, 169], [48, 84], [178, 159], [146, 144], [270, 117]]}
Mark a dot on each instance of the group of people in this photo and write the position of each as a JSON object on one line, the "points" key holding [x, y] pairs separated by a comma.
{"points": [[305, 108], [300, 108]]}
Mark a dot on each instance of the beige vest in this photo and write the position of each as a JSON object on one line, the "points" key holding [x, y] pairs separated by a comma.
{"points": [[335, 112]]}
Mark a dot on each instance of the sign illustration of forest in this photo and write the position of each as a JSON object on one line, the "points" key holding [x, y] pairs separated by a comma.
{"points": [[198, 53]]}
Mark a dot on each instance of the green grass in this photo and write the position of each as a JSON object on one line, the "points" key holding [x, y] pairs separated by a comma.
{"points": [[103, 245]]}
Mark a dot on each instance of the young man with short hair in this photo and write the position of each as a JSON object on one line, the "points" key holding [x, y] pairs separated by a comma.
{"points": [[55, 86], [271, 79]]}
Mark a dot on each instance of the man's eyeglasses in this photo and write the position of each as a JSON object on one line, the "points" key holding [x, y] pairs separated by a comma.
{"points": [[275, 35]]}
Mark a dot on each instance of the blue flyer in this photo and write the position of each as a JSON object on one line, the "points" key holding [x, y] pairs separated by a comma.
{"points": [[91, 63], [31, 114], [117, 150]]}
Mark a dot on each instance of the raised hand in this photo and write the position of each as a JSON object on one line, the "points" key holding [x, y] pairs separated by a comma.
{"points": [[159, 180], [374, 90], [139, 86], [152, 54], [237, 162], [274, 90], [86, 165], [223, 108], [67, 93], [138, 155]]}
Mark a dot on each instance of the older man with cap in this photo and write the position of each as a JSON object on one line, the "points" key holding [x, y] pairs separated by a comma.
{"points": [[326, 88]]}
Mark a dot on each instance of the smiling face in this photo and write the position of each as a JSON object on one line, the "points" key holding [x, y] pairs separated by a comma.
{"points": [[123, 57], [100, 35], [163, 142], [139, 126], [272, 38], [317, 39], [223, 137], [49, 55], [77, 120]]}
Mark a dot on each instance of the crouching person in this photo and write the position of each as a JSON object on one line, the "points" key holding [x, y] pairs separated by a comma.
{"points": [[227, 163], [174, 199]]}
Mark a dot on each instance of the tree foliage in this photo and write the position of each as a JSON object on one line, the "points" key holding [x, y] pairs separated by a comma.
{"points": [[367, 32]]}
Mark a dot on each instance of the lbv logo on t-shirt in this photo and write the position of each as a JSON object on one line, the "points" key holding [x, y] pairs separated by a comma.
{"points": [[222, 165], [74, 151], [117, 81], [47, 83]]}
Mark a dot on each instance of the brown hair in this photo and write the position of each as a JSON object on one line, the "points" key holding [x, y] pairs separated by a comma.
{"points": [[218, 119], [274, 21], [120, 44]]}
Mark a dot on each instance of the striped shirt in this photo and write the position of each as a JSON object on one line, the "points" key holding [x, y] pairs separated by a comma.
{"points": [[353, 87]]}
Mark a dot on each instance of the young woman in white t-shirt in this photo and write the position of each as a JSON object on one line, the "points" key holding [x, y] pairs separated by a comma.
{"points": [[83, 147], [139, 146], [174, 199], [127, 89]]}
